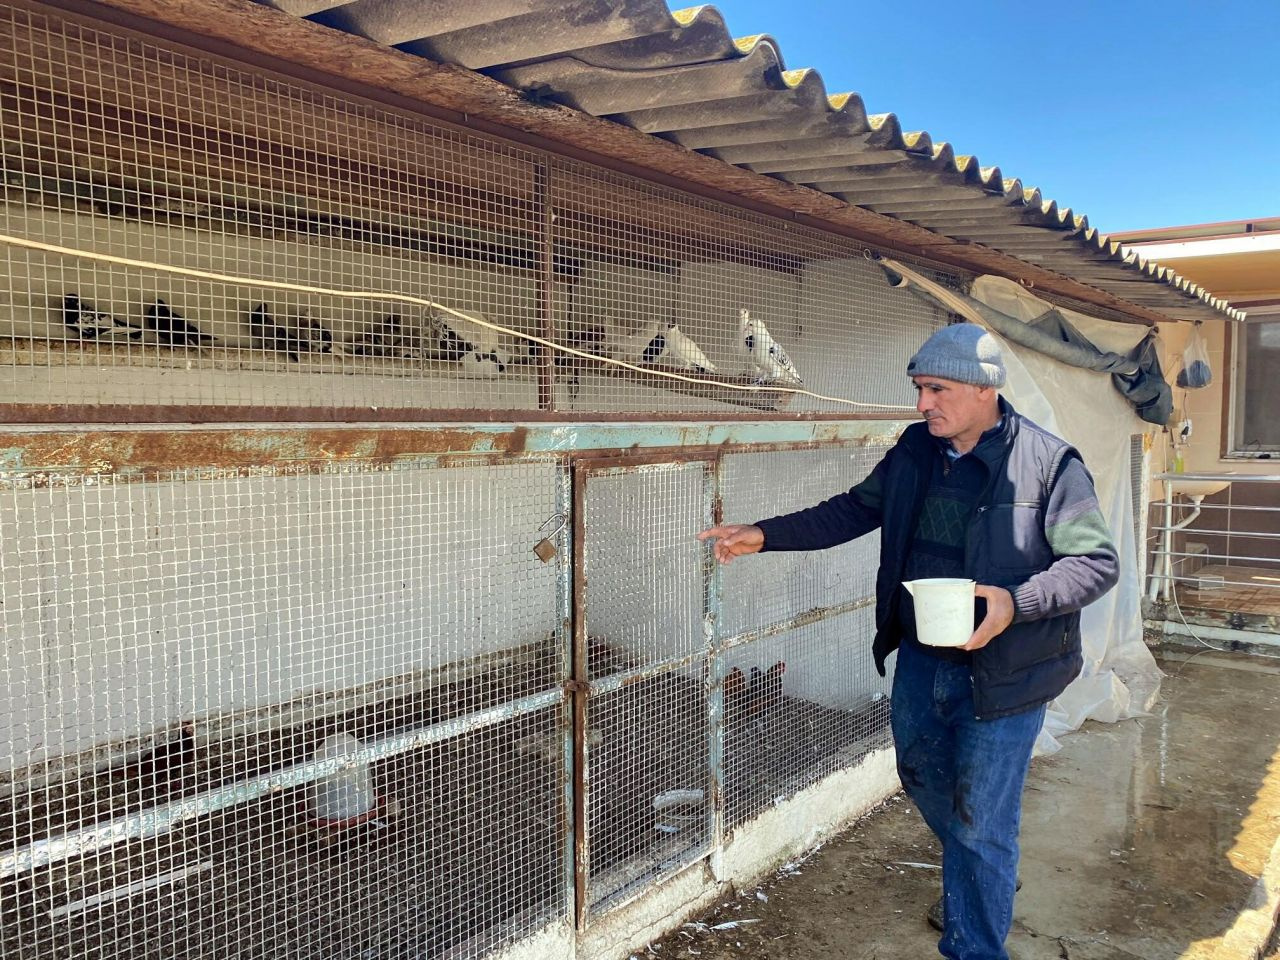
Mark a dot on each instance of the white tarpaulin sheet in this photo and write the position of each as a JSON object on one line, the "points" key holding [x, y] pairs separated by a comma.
{"points": [[1120, 676]]}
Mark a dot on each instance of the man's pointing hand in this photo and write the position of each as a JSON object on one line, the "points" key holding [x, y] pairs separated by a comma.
{"points": [[734, 540]]}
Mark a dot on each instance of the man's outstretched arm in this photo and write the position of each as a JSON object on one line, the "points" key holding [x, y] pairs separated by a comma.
{"points": [[838, 520]]}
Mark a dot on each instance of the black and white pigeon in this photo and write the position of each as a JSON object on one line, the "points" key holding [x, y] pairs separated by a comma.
{"points": [[295, 336], [172, 328], [478, 347], [88, 323], [765, 355], [665, 345], [388, 337]]}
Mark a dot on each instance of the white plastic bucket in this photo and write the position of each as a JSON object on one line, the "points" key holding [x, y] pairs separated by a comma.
{"points": [[944, 611]]}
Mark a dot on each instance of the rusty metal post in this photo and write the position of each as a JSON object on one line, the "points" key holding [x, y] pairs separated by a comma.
{"points": [[712, 587], [565, 567], [578, 688]]}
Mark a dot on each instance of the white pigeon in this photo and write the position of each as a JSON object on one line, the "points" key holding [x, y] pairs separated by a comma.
{"points": [[765, 355], [665, 346], [478, 347]]}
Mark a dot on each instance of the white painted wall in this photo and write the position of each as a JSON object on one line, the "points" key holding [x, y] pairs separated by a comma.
{"points": [[643, 564], [828, 662], [129, 606]]}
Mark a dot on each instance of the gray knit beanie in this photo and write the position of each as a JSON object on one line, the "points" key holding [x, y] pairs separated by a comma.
{"points": [[963, 352]]}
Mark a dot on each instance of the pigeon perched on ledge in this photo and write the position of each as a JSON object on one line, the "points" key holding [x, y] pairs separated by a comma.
{"points": [[88, 323], [478, 347], [388, 337], [172, 329], [295, 336], [764, 354], [662, 345]]}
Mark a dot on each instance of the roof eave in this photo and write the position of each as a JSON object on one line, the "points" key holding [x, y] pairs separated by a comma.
{"points": [[274, 40]]}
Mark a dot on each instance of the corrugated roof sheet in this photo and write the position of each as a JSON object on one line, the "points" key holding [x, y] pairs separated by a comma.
{"points": [[682, 76]]}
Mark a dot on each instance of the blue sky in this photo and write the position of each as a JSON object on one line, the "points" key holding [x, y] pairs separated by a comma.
{"points": [[1138, 114]]}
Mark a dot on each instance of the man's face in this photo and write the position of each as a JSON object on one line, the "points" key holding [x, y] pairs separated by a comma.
{"points": [[953, 409]]}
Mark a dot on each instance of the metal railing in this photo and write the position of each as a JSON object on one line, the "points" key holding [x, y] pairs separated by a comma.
{"points": [[1215, 549]]}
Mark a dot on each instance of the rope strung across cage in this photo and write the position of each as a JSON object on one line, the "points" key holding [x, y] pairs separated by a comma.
{"points": [[429, 304]]}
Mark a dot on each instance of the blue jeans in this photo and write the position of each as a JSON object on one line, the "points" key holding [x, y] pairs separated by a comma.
{"points": [[966, 776]]}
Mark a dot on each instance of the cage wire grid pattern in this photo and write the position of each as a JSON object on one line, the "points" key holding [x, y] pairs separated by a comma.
{"points": [[1139, 494], [126, 148], [324, 709], [303, 713], [801, 694], [646, 771], [747, 683], [191, 651]]}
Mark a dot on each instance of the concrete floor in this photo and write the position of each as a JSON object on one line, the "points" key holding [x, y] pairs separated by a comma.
{"points": [[1246, 589], [1141, 839]]}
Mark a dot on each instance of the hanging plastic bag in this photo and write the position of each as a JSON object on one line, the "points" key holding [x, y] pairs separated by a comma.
{"points": [[1195, 372]]}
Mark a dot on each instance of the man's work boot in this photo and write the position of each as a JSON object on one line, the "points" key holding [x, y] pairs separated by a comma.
{"points": [[936, 916]]}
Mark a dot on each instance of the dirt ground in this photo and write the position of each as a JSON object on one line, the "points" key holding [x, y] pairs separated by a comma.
{"points": [[837, 889], [1141, 839]]}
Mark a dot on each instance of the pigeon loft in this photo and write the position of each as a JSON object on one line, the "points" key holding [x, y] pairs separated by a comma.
{"points": [[451, 310], [330, 419]]}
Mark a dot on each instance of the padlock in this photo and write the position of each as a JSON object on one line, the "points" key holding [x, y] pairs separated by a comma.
{"points": [[544, 549]]}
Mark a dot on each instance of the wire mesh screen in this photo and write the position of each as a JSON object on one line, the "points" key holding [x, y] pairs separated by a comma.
{"points": [[1138, 493], [182, 231], [646, 749], [304, 712], [643, 565], [801, 694], [808, 702], [752, 308], [779, 586]]}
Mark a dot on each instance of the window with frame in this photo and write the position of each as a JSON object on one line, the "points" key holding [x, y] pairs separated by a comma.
{"points": [[1256, 429]]}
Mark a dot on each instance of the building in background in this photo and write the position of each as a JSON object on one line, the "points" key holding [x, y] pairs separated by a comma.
{"points": [[1226, 576], [1239, 261]]}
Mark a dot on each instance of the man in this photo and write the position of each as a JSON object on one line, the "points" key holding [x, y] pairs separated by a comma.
{"points": [[975, 491]]}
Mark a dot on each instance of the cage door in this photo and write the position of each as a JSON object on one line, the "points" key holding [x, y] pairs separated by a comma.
{"points": [[641, 643]]}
